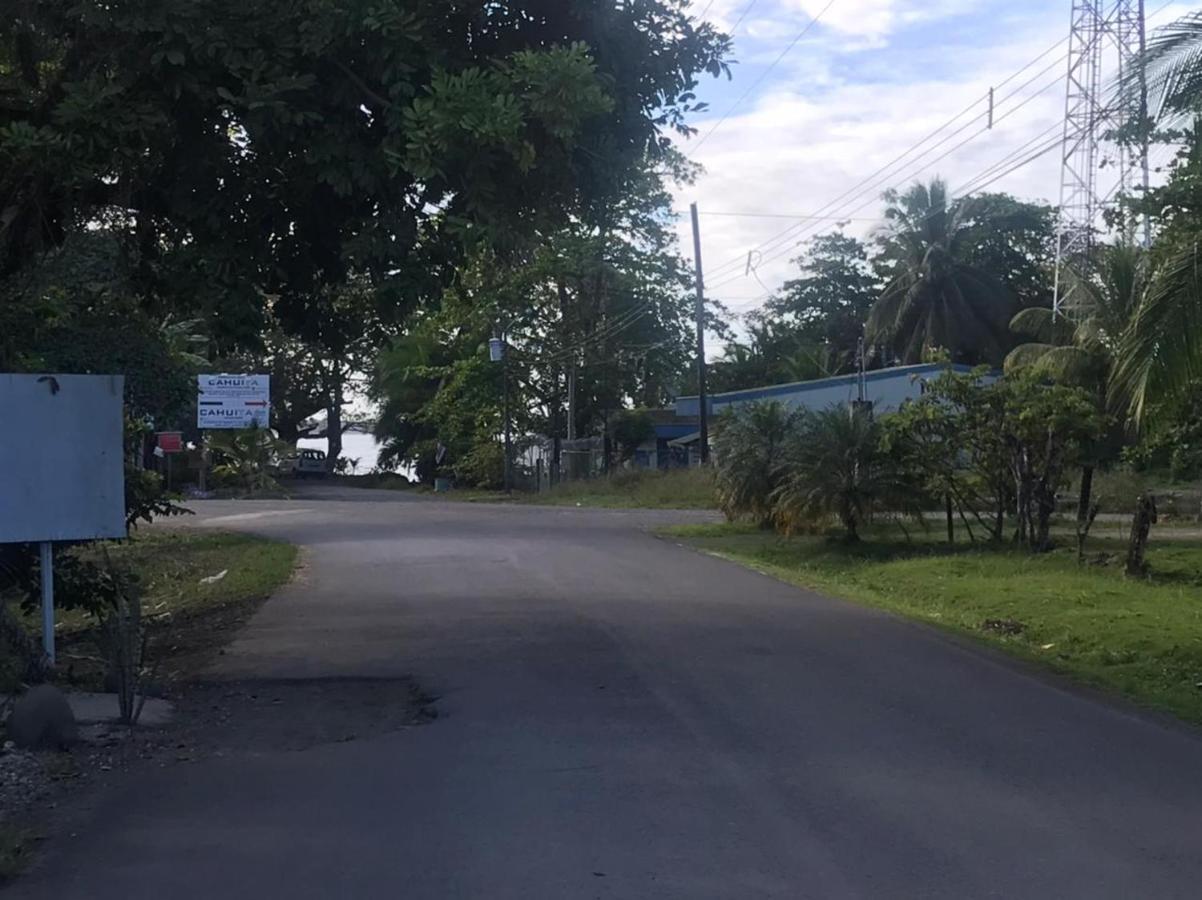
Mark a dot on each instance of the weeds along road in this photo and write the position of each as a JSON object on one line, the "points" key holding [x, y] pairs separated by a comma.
{"points": [[621, 717]]}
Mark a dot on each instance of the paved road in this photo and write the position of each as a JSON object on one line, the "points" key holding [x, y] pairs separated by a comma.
{"points": [[623, 718]]}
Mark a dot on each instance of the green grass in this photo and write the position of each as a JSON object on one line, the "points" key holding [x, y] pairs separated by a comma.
{"points": [[188, 620], [674, 489], [1141, 638], [637, 489]]}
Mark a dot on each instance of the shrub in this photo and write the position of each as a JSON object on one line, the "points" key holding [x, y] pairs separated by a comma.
{"points": [[750, 449], [836, 469]]}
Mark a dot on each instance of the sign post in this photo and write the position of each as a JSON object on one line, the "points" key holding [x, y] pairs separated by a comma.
{"points": [[46, 576], [233, 401], [69, 456]]}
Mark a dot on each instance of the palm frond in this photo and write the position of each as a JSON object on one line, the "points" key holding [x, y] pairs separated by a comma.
{"points": [[1172, 68], [1039, 324], [1160, 353]]}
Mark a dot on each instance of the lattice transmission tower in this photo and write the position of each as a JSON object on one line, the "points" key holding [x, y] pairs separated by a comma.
{"points": [[1099, 162]]}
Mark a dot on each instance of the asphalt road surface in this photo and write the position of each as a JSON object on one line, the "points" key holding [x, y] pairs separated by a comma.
{"points": [[621, 717]]}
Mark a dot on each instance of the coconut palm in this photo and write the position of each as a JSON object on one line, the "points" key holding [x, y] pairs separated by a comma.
{"points": [[1171, 72], [749, 447], [937, 298], [1080, 348], [1159, 356]]}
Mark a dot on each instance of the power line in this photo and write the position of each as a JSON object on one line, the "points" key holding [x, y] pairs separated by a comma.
{"points": [[796, 234], [873, 183], [769, 215], [739, 21], [755, 84]]}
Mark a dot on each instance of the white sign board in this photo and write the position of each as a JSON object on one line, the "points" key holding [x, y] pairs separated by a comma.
{"points": [[233, 401], [62, 464]]}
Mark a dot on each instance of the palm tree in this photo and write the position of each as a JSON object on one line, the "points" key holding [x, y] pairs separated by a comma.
{"points": [[1082, 348], [837, 469], [749, 448], [1159, 356], [1171, 72], [937, 297]]}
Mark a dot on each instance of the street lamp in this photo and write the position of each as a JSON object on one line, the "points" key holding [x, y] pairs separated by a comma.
{"points": [[496, 353]]}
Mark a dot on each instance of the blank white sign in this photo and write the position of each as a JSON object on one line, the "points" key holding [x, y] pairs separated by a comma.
{"points": [[62, 470]]}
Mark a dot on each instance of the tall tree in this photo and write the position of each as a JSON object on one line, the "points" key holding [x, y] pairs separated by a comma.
{"points": [[829, 303], [937, 296], [271, 148]]}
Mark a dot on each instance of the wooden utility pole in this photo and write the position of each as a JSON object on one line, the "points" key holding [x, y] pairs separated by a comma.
{"points": [[702, 393]]}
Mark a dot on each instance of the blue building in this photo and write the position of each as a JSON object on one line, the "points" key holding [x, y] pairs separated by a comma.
{"points": [[886, 389]]}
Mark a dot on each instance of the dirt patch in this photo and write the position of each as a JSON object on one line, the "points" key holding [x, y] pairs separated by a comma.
{"points": [[255, 717], [49, 793], [1004, 626]]}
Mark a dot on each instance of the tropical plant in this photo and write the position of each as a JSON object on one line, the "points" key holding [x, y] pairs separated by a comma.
{"points": [[1159, 356], [749, 449], [1171, 72], [1081, 347], [246, 456], [836, 468], [936, 296]]}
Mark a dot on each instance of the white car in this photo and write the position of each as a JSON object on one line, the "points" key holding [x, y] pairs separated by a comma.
{"points": [[306, 463]]}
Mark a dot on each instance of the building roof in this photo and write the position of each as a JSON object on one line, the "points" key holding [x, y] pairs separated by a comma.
{"points": [[798, 387]]}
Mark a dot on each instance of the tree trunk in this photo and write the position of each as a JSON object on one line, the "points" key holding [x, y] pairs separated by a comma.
{"points": [[1141, 528], [1086, 495], [334, 421], [951, 524]]}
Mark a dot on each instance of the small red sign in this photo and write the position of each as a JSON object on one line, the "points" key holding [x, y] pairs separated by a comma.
{"points": [[171, 441]]}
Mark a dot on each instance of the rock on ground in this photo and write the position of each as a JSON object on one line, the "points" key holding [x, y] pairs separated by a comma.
{"points": [[41, 719]]}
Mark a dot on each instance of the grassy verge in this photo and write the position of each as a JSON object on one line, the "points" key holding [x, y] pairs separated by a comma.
{"points": [[638, 489], [672, 489], [188, 618], [1142, 639]]}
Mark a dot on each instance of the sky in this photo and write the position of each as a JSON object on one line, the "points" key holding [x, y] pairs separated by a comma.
{"points": [[869, 80]]}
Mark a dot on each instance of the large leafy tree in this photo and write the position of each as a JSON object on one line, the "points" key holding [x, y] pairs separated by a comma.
{"points": [[946, 278], [828, 304], [272, 148], [596, 317]]}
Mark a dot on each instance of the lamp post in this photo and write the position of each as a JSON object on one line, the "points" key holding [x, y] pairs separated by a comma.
{"points": [[496, 353]]}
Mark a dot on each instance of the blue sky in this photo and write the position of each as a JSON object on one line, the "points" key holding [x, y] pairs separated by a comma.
{"points": [[870, 79]]}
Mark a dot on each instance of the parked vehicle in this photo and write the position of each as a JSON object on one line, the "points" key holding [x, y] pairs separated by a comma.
{"points": [[306, 463]]}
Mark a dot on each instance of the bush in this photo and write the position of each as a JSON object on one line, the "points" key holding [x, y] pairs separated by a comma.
{"points": [[750, 447], [483, 466], [837, 469]]}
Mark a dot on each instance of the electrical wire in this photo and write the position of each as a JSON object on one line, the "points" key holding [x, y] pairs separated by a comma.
{"points": [[876, 176], [739, 21], [755, 84], [797, 234], [873, 184]]}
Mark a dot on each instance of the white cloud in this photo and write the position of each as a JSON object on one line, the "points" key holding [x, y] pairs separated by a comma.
{"points": [[827, 118]]}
